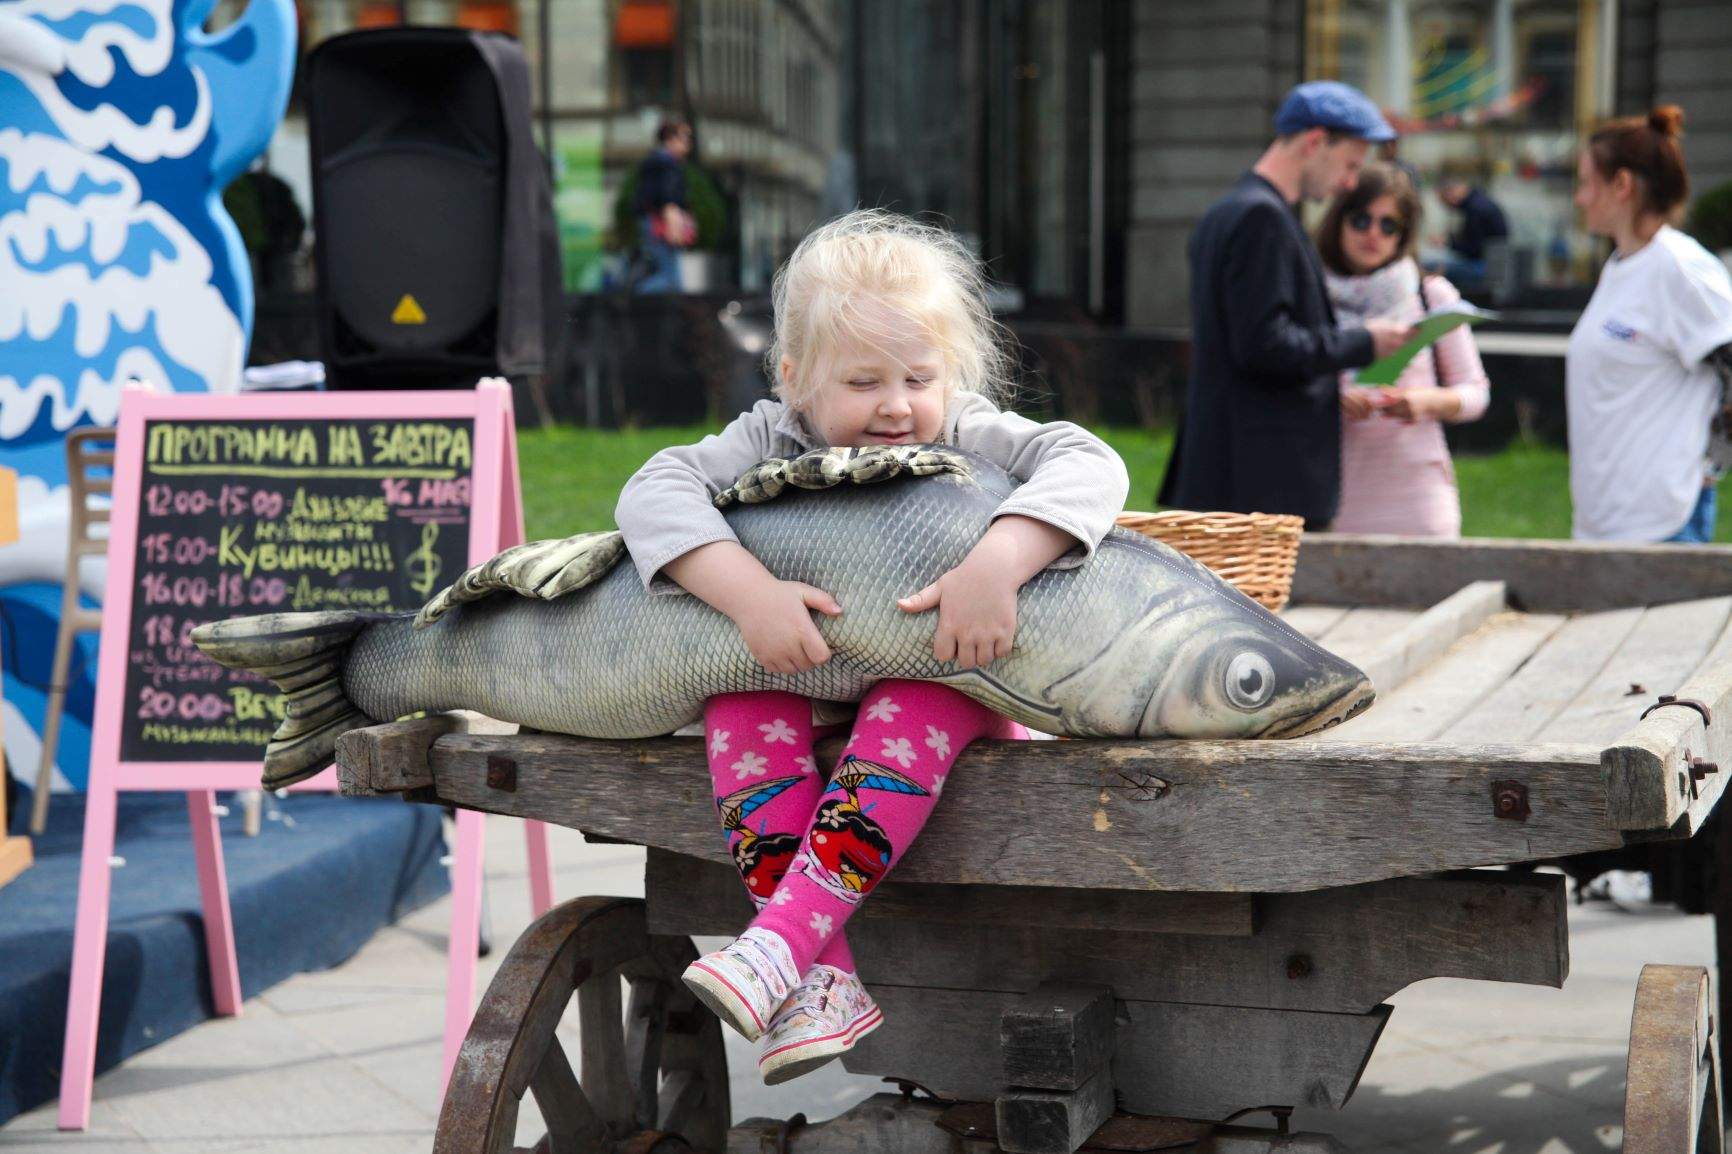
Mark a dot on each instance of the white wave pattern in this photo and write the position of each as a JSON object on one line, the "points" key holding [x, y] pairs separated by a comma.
{"points": [[192, 321], [44, 525], [89, 59]]}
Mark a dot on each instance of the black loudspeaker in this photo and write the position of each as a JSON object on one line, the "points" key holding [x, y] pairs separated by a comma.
{"points": [[436, 250]]}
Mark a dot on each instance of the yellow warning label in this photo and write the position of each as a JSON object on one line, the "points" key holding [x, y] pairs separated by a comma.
{"points": [[408, 312]]}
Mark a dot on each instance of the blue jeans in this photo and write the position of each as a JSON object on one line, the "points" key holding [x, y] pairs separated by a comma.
{"points": [[664, 261], [1699, 529]]}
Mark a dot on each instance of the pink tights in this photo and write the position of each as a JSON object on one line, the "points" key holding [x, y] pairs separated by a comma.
{"points": [[809, 854]]}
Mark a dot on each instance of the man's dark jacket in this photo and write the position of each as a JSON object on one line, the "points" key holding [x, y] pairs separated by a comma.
{"points": [[661, 181], [1481, 220], [1262, 426]]}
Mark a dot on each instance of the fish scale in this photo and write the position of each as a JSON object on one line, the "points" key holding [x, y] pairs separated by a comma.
{"points": [[1136, 641]]}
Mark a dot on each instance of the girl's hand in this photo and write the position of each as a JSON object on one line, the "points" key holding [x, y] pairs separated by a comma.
{"points": [[778, 627], [1424, 402], [1359, 403], [976, 613]]}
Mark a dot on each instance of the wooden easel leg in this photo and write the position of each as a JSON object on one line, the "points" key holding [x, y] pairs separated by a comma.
{"points": [[56, 707], [465, 936], [213, 888], [89, 946], [540, 868]]}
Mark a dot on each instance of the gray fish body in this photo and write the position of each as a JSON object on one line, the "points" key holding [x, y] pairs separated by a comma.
{"points": [[1138, 641]]}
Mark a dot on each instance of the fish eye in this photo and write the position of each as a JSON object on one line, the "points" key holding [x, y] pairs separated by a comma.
{"points": [[1250, 680]]}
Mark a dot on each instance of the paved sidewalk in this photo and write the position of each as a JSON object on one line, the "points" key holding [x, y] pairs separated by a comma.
{"points": [[348, 1060]]}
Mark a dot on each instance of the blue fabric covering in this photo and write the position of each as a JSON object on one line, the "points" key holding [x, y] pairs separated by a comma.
{"points": [[322, 876]]}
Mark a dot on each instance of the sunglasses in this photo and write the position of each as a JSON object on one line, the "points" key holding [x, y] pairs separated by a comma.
{"points": [[1387, 225]]}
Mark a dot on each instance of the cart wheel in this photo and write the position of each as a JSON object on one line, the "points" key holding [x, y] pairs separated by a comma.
{"points": [[655, 1079], [1672, 1102]]}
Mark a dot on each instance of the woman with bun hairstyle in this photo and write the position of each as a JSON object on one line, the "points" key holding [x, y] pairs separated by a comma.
{"points": [[1396, 476], [1650, 359]]}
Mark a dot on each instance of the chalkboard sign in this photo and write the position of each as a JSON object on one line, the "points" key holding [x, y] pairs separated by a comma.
{"points": [[231, 505], [240, 517]]}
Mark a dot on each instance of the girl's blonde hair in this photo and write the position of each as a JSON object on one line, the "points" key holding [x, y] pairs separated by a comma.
{"points": [[846, 271]]}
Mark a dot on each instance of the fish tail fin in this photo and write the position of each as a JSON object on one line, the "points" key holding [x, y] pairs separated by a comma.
{"points": [[302, 654]]}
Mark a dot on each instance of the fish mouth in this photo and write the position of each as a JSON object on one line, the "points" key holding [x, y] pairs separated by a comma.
{"points": [[1349, 704]]}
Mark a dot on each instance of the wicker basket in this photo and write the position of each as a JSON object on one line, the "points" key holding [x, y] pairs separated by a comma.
{"points": [[1256, 552]]}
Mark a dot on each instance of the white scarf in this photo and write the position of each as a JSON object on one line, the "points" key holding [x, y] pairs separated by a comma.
{"points": [[1388, 292]]}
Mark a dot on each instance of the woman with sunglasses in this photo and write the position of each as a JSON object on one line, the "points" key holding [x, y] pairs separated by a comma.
{"points": [[1644, 378], [1396, 475]]}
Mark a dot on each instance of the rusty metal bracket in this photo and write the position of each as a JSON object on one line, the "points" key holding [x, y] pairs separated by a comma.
{"points": [[1283, 1116], [1509, 800], [1687, 702], [909, 1088], [1699, 769]]}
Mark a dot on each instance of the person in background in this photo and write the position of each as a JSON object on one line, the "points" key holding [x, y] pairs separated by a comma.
{"points": [[1396, 475], [1481, 221], [665, 225], [1261, 432], [1649, 362]]}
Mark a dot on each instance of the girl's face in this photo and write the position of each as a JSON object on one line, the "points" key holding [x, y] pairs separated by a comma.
{"points": [[1372, 236], [1605, 204], [892, 391]]}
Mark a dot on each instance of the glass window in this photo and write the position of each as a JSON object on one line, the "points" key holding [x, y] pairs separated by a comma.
{"points": [[1495, 92]]}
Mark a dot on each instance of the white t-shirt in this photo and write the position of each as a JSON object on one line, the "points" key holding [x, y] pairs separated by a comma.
{"points": [[1639, 396]]}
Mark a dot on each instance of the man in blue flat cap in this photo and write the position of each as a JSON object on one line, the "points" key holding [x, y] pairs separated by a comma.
{"points": [[1261, 431]]}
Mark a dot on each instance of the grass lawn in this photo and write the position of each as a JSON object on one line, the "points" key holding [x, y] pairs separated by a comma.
{"points": [[572, 476]]}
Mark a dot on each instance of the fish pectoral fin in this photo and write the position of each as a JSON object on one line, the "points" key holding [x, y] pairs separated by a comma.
{"points": [[544, 570]]}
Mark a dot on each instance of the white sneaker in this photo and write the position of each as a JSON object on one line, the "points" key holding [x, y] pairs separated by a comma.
{"points": [[821, 1020], [745, 981]]}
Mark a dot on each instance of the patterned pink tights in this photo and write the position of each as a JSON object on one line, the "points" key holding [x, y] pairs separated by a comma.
{"points": [[809, 854]]}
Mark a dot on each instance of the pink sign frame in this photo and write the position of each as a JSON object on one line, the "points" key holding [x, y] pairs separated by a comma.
{"points": [[496, 522]]}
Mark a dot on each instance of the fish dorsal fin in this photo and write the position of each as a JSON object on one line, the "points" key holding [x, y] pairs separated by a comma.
{"points": [[827, 468], [542, 569]]}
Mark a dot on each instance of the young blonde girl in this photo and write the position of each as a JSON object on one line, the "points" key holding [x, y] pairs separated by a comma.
{"points": [[883, 337]]}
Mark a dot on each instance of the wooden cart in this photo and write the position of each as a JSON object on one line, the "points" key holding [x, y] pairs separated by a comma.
{"points": [[1138, 944]]}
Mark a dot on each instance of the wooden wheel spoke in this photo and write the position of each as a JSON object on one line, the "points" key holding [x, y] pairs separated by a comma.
{"points": [[651, 1078], [605, 1072], [644, 1024], [682, 1094], [573, 1127]]}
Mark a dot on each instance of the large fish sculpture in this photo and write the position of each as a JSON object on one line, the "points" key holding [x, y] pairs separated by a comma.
{"points": [[1138, 641]]}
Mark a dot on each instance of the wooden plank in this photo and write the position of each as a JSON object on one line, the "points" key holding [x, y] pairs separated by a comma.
{"points": [[1417, 644], [1327, 951], [1149, 815], [1550, 679], [1656, 772], [1053, 1122], [1360, 632], [1489, 925], [1467, 673], [1543, 576], [392, 757], [1660, 652], [1058, 1037], [688, 896], [1313, 620], [1182, 1061]]}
